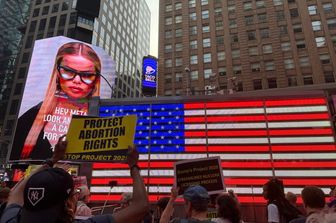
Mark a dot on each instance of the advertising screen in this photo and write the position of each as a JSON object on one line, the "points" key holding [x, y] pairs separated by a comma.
{"points": [[149, 75], [63, 75]]}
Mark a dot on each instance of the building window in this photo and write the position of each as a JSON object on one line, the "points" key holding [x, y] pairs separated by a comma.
{"points": [[36, 12], [220, 40], [283, 30], [43, 24], [193, 30], [291, 1], [307, 80], [292, 81], [329, 77], [320, 41], [193, 44], [272, 83], [45, 10], [260, 4], [269, 66], [251, 35], [267, 48], [193, 16], [316, 25], [297, 28], [325, 58], [169, 21], [304, 61], [168, 93], [206, 42], [204, 2], [222, 71], [219, 25], [168, 78], [194, 75], [14, 107], [168, 34], [247, 6], [178, 32], [178, 5], [262, 18], [205, 14], [178, 47], [333, 39], [207, 58], [289, 63], [234, 38], [312, 9], [206, 29], [300, 44], [207, 73], [236, 69], [178, 77], [294, 12], [253, 51], [235, 54], [231, 9], [178, 19], [255, 67], [218, 12], [169, 8], [331, 23], [264, 33], [221, 55], [280, 15], [168, 63], [55, 8], [232, 23], [257, 84], [277, 2], [168, 48], [192, 3], [285, 46], [328, 7], [178, 62], [249, 20], [193, 59]]}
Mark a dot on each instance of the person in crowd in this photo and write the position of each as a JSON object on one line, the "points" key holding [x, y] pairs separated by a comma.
{"points": [[278, 207], [332, 202], [48, 196], [291, 197], [83, 198], [75, 79], [315, 205], [228, 210], [160, 207], [196, 205], [4, 194]]}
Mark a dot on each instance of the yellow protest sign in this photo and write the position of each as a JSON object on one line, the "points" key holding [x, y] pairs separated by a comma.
{"points": [[100, 139]]}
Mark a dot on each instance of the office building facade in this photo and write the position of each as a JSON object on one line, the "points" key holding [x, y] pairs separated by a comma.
{"points": [[211, 47], [103, 23]]}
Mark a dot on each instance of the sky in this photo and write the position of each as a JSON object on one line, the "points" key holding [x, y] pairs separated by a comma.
{"points": [[154, 29]]}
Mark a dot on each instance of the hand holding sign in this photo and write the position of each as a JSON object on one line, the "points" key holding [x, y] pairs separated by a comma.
{"points": [[60, 148], [132, 156], [174, 192]]}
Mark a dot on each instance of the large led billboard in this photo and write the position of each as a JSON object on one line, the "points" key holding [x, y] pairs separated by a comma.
{"points": [[149, 75], [63, 75]]}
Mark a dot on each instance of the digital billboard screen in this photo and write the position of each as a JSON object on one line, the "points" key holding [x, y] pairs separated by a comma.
{"points": [[149, 75], [63, 75]]}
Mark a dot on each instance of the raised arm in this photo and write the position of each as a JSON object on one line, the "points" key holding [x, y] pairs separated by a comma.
{"points": [[168, 211], [16, 194], [139, 205]]}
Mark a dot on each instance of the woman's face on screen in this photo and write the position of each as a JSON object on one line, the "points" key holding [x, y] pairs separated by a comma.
{"points": [[77, 76]]}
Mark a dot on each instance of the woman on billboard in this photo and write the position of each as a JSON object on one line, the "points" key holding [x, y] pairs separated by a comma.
{"points": [[75, 79]]}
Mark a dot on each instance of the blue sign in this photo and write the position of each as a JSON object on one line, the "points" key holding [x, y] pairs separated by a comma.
{"points": [[149, 72]]}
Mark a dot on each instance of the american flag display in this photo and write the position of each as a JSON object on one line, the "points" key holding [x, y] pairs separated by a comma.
{"points": [[291, 139]]}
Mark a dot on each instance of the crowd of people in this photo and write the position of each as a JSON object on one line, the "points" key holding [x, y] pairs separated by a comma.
{"points": [[49, 195]]}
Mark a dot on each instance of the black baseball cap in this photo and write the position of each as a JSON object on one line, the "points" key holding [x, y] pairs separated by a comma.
{"points": [[45, 194]]}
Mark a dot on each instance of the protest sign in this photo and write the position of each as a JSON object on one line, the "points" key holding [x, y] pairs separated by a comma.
{"points": [[100, 139], [206, 172]]}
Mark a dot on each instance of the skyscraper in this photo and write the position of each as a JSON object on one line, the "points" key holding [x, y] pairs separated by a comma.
{"points": [[120, 27], [217, 46]]}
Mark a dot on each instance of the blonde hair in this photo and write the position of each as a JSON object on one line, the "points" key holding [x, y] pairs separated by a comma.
{"points": [[50, 100]]}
